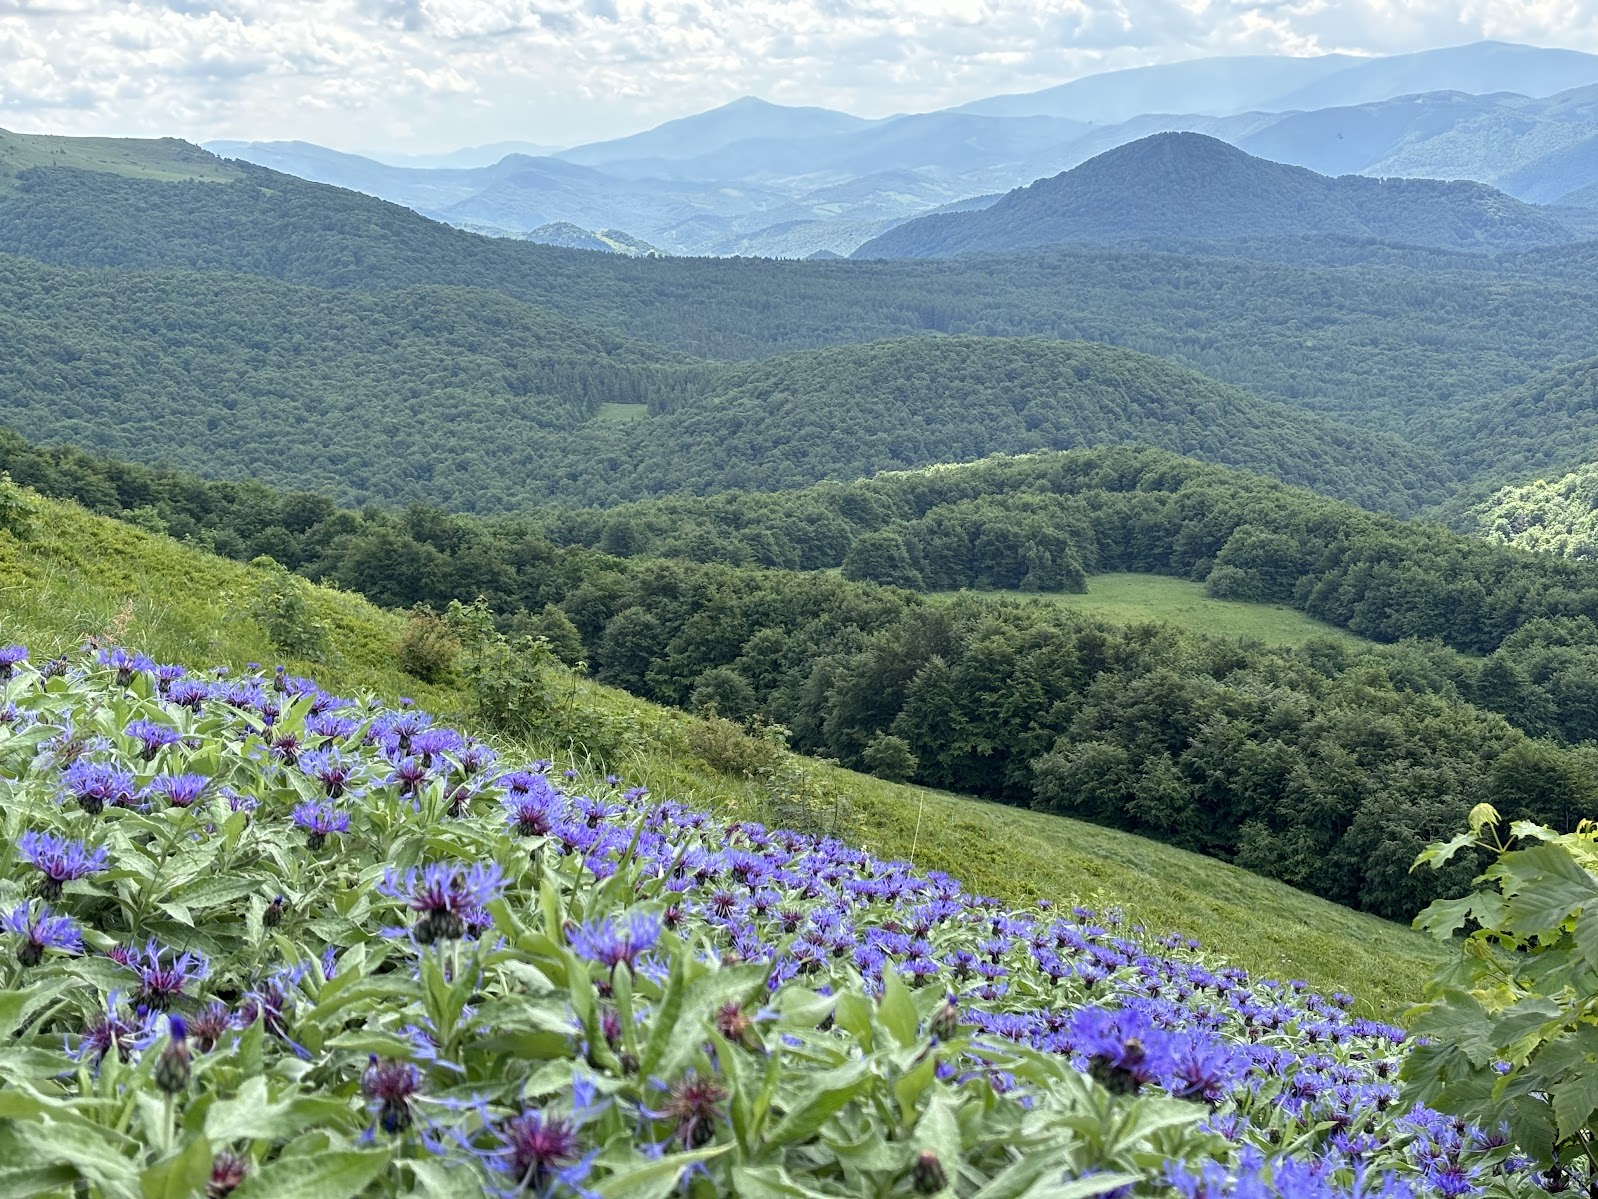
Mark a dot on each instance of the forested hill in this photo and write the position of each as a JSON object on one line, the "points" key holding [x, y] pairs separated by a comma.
{"points": [[1329, 766], [1381, 343], [1188, 184], [1546, 426], [467, 398], [858, 410]]}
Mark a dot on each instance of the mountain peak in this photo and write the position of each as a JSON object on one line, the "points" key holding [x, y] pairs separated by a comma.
{"points": [[1189, 186]]}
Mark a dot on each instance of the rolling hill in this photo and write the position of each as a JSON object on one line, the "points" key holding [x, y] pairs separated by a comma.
{"points": [[859, 410], [75, 575], [471, 399], [1201, 187]]}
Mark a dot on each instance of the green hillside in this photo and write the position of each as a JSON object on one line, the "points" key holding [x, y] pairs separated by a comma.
{"points": [[1205, 188], [854, 411], [76, 576], [1383, 342], [470, 399], [165, 159], [1546, 426], [1127, 598]]}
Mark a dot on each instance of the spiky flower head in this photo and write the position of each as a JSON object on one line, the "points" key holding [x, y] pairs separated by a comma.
{"points": [[40, 931], [164, 974], [537, 1149], [389, 1085], [173, 1066], [60, 861], [10, 657], [448, 897], [695, 1106], [227, 1175], [612, 942], [152, 737], [96, 786], [178, 790], [319, 820]]}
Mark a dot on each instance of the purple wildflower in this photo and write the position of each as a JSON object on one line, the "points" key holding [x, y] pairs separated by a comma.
{"points": [[41, 931], [60, 861], [448, 897], [319, 820]]}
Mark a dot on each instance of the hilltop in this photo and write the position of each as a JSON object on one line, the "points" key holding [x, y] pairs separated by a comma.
{"points": [[1200, 187]]}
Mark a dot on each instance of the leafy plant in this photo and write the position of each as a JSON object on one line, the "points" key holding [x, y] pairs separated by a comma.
{"points": [[1511, 1025]]}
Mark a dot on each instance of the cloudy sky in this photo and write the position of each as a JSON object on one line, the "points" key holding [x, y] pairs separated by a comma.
{"points": [[424, 75]]}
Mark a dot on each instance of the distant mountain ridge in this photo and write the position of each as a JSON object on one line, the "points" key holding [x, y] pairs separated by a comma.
{"points": [[739, 179], [1191, 185]]}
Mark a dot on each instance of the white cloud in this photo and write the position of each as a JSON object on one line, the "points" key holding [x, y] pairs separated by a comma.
{"points": [[425, 74]]}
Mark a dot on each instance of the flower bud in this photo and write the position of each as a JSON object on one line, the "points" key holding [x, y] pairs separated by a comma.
{"points": [[927, 1174], [172, 1067]]}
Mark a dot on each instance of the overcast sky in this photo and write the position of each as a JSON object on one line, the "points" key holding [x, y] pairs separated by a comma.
{"points": [[424, 75]]}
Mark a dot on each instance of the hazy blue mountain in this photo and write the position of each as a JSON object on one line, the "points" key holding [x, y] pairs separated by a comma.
{"points": [[1225, 86], [1193, 186], [470, 156], [688, 137]]}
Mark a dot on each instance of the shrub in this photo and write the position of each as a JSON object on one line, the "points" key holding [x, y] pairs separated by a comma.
{"points": [[283, 609], [889, 757], [428, 647]]}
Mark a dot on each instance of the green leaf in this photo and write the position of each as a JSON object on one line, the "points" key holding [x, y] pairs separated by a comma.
{"points": [[337, 1174], [180, 1176], [96, 1153], [1083, 1188], [770, 1182], [21, 1181], [655, 1179], [1574, 1103], [896, 1010], [826, 1094]]}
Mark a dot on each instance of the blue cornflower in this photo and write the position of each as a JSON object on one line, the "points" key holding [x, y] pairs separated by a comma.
{"points": [[536, 1150], [389, 1085], [115, 1029], [318, 820], [152, 737], [60, 861], [330, 768], [179, 790], [613, 942], [161, 983], [41, 931], [10, 657], [449, 898], [125, 664], [96, 785]]}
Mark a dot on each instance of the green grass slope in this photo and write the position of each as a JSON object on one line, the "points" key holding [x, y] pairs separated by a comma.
{"points": [[78, 576], [165, 159], [1128, 598]]}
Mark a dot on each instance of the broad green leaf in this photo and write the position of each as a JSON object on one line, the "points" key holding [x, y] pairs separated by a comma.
{"points": [[337, 1174], [770, 1182], [896, 1010], [1082, 1188], [180, 1176], [655, 1179], [823, 1095], [1574, 1103]]}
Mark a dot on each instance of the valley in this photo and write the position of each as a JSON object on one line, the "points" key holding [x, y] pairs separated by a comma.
{"points": [[1041, 648]]}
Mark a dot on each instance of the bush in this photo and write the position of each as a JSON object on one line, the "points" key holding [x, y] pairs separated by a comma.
{"points": [[283, 609], [510, 679], [428, 647], [722, 691], [889, 757], [727, 748]]}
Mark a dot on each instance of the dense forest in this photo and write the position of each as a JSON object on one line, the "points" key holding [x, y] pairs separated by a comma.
{"points": [[1326, 766], [474, 401], [1379, 336]]}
